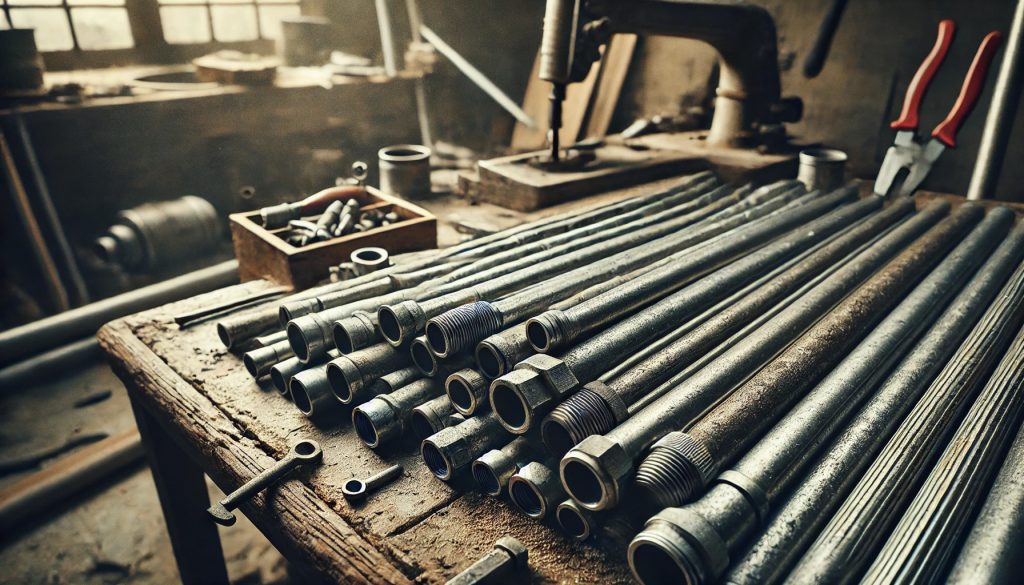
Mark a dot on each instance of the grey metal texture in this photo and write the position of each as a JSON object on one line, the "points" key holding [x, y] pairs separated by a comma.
{"points": [[463, 326], [816, 494], [281, 373], [922, 546], [303, 452], [999, 120], [576, 522], [497, 567], [467, 390], [449, 451], [495, 468], [357, 490], [557, 329], [312, 393], [991, 552], [585, 362], [385, 418], [352, 375], [36, 337], [535, 489], [432, 416], [393, 381], [259, 361], [596, 471], [856, 531], [683, 463]]}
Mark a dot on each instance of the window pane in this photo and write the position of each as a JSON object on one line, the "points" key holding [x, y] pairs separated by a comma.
{"points": [[53, 33], [3, 22], [95, 2], [270, 19], [32, 2], [185, 24], [102, 28], [234, 23]]}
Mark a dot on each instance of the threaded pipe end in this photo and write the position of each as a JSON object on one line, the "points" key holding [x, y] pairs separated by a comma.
{"points": [[583, 414], [462, 327], [549, 331], [676, 471]]}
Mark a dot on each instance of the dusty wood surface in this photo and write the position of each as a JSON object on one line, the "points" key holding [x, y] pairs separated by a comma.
{"points": [[418, 528]]}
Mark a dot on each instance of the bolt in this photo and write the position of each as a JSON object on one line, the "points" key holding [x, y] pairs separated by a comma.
{"points": [[303, 452], [357, 490]]}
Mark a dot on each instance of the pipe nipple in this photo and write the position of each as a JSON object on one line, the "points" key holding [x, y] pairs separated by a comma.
{"points": [[677, 470], [461, 328], [583, 414], [345, 379], [496, 357], [549, 332]]}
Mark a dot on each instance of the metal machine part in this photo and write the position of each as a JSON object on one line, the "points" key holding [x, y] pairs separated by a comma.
{"points": [[303, 452], [821, 168], [259, 361], [351, 375], [405, 170], [493, 470], [432, 416], [450, 451], [499, 566], [748, 92], [154, 236], [311, 393], [367, 260], [535, 489], [278, 216], [357, 490], [596, 472], [385, 418], [467, 390]]}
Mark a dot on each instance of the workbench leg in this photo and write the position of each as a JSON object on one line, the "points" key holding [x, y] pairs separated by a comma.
{"points": [[184, 499]]}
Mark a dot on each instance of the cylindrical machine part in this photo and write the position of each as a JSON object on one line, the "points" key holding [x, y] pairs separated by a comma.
{"points": [[821, 168], [405, 170], [386, 417], [367, 260], [450, 451], [536, 489], [432, 416], [311, 393], [495, 468]]}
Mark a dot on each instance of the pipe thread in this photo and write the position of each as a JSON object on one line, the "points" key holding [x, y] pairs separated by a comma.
{"points": [[462, 327], [583, 414], [676, 471]]}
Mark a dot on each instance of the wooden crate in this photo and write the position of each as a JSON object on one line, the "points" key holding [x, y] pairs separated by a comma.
{"points": [[263, 253]]}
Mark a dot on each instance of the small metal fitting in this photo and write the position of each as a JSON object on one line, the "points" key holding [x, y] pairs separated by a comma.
{"points": [[530, 391], [400, 322], [278, 216], [677, 546], [493, 469], [310, 336], [311, 392], [355, 332], [259, 361], [386, 417], [467, 389], [451, 450], [498, 354], [462, 327], [369, 259], [678, 468], [536, 489], [351, 375], [357, 490], [423, 358], [432, 416], [576, 521], [550, 331], [498, 566], [596, 472], [583, 414]]}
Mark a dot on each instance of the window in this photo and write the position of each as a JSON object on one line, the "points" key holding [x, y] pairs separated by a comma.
{"points": [[103, 32]]}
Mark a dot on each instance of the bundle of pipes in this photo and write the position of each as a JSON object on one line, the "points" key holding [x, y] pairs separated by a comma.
{"points": [[736, 366]]}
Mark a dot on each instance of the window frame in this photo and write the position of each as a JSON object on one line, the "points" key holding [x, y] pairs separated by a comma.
{"points": [[150, 47]]}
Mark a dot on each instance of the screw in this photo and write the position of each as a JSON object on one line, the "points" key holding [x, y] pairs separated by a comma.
{"points": [[356, 490], [302, 452], [507, 556]]}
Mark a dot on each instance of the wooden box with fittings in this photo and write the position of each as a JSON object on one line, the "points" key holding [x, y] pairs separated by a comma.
{"points": [[264, 253]]}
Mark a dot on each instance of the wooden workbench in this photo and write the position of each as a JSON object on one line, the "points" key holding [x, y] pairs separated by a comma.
{"points": [[200, 412]]}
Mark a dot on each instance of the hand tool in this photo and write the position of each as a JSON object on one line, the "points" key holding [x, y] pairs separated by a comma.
{"points": [[508, 556], [305, 451], [277, 216], [911, 158], [356, 490]]}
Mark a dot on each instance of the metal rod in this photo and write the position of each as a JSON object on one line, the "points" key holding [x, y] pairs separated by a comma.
{"points": [[387, 37], [999, 120]]}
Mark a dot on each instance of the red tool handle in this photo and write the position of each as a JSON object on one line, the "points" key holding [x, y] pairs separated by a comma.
{"points": [[946, 131], [919, 84]]}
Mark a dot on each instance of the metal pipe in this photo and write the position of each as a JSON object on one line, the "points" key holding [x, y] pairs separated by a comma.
{"points": [[495, 468], [33, 338], [466, 390], [535, 490], [351, 375], [924, 541], [682, 464], [432, 416], [66, 358], [577, 522], [531, 391], [387, 37], [259, 361], [448, 452], [595, 472], [999, 120], [991, 551], [392, 381], [777, 463], [281, 374], [500, 565], [385, 418], [856, 531], [464, 326], [311, 393]]}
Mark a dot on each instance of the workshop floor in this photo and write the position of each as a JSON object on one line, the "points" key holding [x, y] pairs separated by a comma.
{"points": [[114, 533]]}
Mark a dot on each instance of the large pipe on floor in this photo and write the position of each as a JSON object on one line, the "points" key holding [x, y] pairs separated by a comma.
{"points": [[62, 328], [683, 463], [855, 533], [596, 471], [776, 464]]}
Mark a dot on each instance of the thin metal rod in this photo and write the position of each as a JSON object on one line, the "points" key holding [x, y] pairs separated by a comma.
{"points": [[387, 37]]}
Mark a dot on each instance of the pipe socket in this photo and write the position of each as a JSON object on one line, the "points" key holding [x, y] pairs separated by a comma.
{"points": [[450, 451], [432, 416], [386, 417], [536, 490], [467, 390]]}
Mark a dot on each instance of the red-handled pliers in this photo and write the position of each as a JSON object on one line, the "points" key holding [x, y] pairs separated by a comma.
{"points": [[906, 152]]}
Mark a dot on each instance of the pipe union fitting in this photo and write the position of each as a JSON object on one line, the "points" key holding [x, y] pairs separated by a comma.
{"points": [[517, 396], [596, 472]]}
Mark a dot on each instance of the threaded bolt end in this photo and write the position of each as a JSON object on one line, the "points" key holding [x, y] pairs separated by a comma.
{"points": [[462, 327], [583, 414], [676, 471]]}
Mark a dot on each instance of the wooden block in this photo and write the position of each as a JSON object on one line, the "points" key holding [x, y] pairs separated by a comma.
{"points": [[264, 253]]}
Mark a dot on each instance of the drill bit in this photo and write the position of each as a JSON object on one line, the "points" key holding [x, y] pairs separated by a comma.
{"points": [[557, 96]]}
